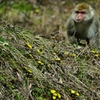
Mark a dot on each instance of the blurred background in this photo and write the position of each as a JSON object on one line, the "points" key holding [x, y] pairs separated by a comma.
{"points": [[46, 17]]}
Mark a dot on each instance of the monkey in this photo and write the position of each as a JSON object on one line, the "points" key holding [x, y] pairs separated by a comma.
{"points": [[83, 24]]}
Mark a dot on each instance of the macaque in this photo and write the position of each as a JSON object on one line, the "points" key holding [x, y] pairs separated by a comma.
{"points": [[83, 24]]}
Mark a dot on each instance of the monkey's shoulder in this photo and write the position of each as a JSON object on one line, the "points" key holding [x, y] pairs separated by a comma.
{"points": [[70, 23]]}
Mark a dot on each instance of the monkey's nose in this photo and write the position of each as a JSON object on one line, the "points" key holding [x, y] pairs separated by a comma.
{"points": [[79, 17]]}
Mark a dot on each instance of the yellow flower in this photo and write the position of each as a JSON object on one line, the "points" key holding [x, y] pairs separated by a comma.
{"points": [[30, 55], [72, 91], [94, 51], [40, 52], [28, 70], [55, 94], [77, 94], [59, 96], [52, 91], [54, 53], [74, 55], [29, 45], [96, 55], [53, 97], [58, 59], [66, 53], [41, 63], [37, 10]]}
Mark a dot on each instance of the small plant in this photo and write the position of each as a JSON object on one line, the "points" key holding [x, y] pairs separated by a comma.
{"points": [[95, 53], [40, 63], [29, 45], [55, 94], [73, 92]]}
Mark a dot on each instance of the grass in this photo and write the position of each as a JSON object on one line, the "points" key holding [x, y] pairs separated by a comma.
{"points": [[33, 61]]}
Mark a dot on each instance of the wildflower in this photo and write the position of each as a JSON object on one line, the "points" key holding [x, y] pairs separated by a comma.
{"points": [[52, 91], [77, 94], [58, 59], [66, 53], [96, 55], [39, 51], [41, 63], [54, 53], [59, 96], [74, 55], [28, 70], [29, 45], [94, 51], [55, 94], [30, 55], [37, 10], [72, 91], [53, 97]]}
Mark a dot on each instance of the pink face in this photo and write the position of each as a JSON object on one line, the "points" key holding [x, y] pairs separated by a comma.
{"points": [[80, 15]]}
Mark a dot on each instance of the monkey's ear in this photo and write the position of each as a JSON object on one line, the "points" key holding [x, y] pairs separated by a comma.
{"points": [[92, 11]]}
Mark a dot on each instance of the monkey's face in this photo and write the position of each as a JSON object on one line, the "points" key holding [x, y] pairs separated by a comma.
{"points": [[82, 13], [81, 16]]}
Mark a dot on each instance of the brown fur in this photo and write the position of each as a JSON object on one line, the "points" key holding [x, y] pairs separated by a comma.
{"points": [[82, 6]]}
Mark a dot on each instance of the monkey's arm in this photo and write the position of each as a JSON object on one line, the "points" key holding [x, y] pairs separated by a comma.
{"points": [[70, 27], [93, 33], [94, 28]]}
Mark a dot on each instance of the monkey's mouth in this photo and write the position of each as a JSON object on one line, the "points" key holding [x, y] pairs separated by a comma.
{"points": [[78, 21]]}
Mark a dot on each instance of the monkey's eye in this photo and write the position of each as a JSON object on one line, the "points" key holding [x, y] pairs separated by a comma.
{"points": [[82, 12], [77, 12]]}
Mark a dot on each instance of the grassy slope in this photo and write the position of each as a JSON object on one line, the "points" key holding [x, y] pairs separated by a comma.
{"points": [[31, 66]]}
